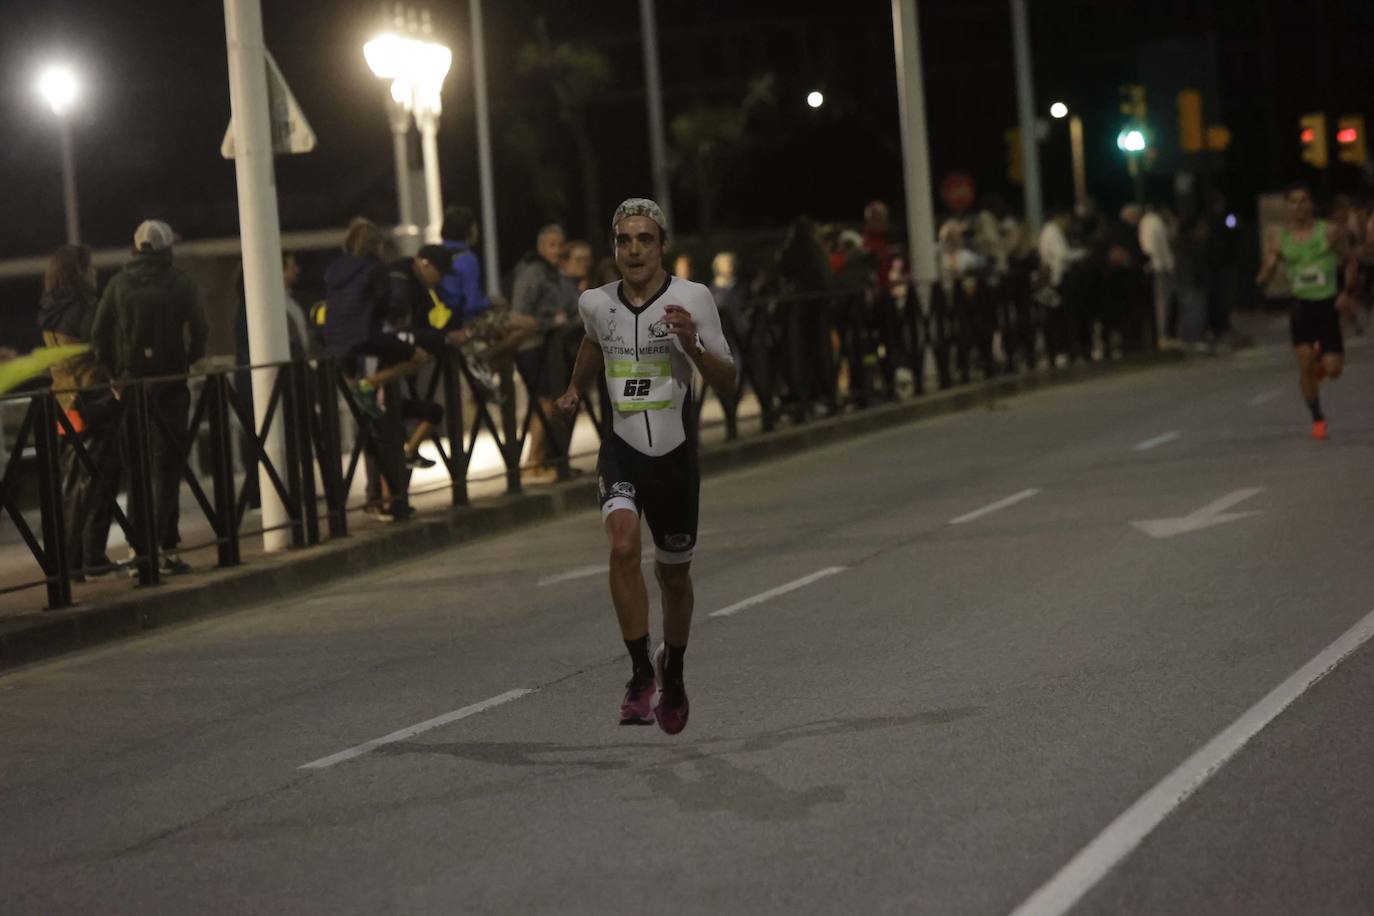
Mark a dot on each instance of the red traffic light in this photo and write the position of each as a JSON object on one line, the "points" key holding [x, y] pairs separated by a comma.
{"points": [[1307, 135], [1347, 135]]}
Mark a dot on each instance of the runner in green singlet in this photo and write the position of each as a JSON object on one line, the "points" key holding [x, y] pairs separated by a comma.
{"points": [[1312, 253]]}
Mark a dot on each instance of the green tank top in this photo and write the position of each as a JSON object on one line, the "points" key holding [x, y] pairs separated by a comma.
{"points": [[1311, 264]]}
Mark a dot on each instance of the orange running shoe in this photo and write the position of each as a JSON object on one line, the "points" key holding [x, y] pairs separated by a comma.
{"points": [[1319, 430]]}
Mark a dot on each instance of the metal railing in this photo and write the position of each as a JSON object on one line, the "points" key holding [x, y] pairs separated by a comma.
{"points": [[798, 356]]}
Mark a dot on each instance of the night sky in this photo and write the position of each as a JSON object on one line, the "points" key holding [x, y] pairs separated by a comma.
{"points": [[156, 105]]}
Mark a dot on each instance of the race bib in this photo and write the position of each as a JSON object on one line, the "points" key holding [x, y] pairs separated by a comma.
{"points": [[1310, 278], [640, 384]]}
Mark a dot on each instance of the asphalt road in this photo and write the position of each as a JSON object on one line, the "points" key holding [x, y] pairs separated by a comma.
{"points": [[939, 726]]}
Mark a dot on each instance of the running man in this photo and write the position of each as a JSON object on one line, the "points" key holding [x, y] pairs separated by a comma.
{"points": [[1310, 251], [650, 331]]}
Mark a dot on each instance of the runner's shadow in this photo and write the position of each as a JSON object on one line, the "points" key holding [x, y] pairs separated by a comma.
{"points": [[614, 756]]}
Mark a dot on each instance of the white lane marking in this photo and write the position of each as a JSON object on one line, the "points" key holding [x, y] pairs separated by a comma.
{"points": [[1264, 397], [1128, 831], [413, 730], [580, 572], [1214, 513], [1159, 440], [775, 592], [995, 507]]}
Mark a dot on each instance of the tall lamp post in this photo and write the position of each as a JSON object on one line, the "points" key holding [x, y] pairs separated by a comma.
{"points": [[59, 88], [416, 67], [1059, 111]]}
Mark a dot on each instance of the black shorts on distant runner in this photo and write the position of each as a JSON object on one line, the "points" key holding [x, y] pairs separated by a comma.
{"points": [[664, 489], [1315, 321]]}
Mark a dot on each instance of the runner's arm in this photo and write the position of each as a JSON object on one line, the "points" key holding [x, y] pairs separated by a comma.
{"points": [[716, 364], [590, 362], [1270, 262]]}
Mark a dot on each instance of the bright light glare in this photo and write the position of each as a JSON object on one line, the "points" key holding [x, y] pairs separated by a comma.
{"points": [[416, 68], [1131, 141], [59, 88], [1231, 221], [815, 100], [1059, 110]]}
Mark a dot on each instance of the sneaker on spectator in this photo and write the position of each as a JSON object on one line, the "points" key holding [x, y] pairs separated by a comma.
{"points": [[365, 396], [172, 564], [415, 460]]}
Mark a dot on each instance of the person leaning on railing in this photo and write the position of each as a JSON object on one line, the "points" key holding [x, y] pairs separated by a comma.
{"points": [[80, 384], [151, 323]]}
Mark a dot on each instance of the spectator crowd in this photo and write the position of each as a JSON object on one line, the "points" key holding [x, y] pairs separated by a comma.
{"points": [[828, 317]]}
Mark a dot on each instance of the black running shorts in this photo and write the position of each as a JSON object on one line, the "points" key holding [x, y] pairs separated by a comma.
{"points": [[665, 490], [1315, 321]]}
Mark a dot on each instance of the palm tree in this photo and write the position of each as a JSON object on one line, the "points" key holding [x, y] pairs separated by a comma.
{"points": [[705, 141], [571, 76]]}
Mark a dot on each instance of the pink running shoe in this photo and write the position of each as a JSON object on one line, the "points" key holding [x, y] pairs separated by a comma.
{"points": [[638, 706], [672, 707]]}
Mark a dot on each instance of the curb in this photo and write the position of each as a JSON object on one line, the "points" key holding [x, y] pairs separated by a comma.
{"points": [[35, 637]]}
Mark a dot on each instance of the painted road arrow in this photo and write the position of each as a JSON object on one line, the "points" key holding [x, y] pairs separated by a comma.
{"points": [[1214, 513]]}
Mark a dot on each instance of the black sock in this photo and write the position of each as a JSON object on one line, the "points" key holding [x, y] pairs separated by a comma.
{"points": [[1315, 405], [639, 655], [672, 664]]}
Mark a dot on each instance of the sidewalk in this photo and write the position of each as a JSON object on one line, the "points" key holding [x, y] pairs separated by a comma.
{"points": [[115, 608]]}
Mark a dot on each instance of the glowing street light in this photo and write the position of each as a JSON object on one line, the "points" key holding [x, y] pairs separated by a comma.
{"points": [[59, 88], [1131, 140], [416, 67], [815, 99], [1059, 111]]}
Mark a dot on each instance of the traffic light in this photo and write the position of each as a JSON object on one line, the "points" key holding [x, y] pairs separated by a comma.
{"points": [[1350, 140], [1016, 167], [1190, 128], [1133, 102], [1313, 137]]}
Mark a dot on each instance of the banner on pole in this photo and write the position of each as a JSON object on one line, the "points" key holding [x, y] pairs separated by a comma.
{"points": [[291, 133]]}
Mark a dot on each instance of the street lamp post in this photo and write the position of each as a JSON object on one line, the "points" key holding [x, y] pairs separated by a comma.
{"points": [[416, 67], [59, 88], [399, 116], [1059, 111]]}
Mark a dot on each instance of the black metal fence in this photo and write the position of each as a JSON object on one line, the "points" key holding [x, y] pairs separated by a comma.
{"points": [[799, 356]]}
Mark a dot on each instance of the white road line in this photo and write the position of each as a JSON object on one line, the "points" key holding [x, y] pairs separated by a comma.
{"points": [[1157, 441], [1266, 396], [775, 592], [995, 507], [580, 572], [413, 730], [1128, 831]]}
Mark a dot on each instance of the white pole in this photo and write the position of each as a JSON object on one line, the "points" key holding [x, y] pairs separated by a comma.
{"points": [[263, 286], [405, 200], [434, 195], [911, 96], [492, 266], [1080, 176], [69, 180], [1025, 105], [653, 87]]}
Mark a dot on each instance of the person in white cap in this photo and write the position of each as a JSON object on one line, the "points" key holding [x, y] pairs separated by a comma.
{"points": [[151, 323], [651, 333]]}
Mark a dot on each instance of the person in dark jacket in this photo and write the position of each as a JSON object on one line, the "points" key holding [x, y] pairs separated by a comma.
{"points": [[151, 323], [65, 316]]}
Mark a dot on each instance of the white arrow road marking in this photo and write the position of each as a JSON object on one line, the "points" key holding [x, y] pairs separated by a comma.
{"points": [[1157, 440], [1214, 513], [994, 507], [1264, 397], [775, 592]]}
